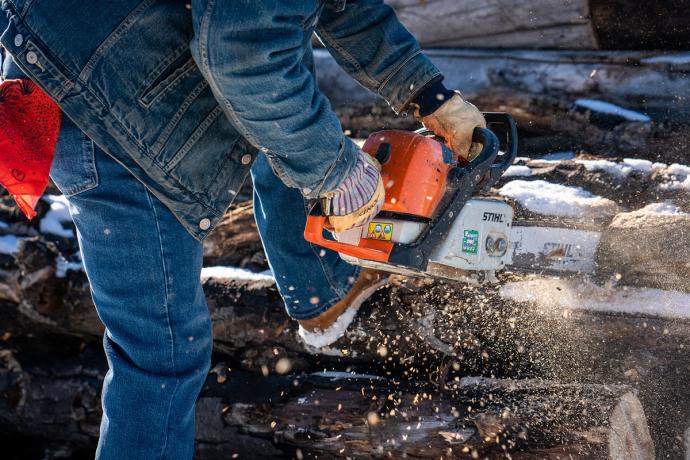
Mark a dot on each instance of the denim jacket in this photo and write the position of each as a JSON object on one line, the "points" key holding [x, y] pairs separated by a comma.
{"points": [[134, 76]]}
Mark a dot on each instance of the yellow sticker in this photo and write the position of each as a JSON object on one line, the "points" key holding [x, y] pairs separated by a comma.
{"points": [[380, 231]]}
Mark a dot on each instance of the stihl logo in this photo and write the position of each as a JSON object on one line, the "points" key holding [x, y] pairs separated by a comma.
{"points": [[493, 217]]}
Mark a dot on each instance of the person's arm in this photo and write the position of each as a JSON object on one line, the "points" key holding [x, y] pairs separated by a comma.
{"points": [[251, 52], [369, 43]]}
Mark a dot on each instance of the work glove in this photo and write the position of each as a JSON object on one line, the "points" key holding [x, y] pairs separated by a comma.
{"points": [[455, 121], [358, 198]]}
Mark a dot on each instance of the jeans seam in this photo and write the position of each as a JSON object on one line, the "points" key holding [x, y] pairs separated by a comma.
{"points": [[167, 317]]}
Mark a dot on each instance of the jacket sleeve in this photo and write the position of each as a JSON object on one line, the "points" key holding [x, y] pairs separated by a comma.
{"points": [[369, 42], [252, 53]]}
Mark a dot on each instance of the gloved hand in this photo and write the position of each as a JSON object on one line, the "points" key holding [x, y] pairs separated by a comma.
{"points": [[455, 121], [357, 200]]}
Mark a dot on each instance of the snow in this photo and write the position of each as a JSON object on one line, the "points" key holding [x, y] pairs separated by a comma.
{"points": [[516, 170], [3, 224], [578, 294], [236, 273], [58, 214], [680, 58], [9, 244], [63, 266], [558, 156], [643, 166], [679, 177], [612, 109], [551, 199], [607, 166], [336, 375], [621, 169], [665, 208]]}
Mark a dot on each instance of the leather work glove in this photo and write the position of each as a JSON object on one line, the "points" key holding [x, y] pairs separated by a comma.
{"points": [[455, 121], [357, 200]]}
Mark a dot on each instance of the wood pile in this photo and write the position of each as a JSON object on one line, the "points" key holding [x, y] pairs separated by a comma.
{"points": [[488, 358]]}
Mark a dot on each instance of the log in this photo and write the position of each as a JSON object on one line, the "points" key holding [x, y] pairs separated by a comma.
{"points": [[642, 256], [234, 241], [422, 331], [498, 23], [341, 415], [578, 24], [651, 82]]}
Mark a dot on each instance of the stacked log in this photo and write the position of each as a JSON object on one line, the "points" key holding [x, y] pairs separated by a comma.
{"points": [[573, 24]]}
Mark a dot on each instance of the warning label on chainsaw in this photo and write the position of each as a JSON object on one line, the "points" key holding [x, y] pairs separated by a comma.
{"points": [[470, 242], [380, 231]]}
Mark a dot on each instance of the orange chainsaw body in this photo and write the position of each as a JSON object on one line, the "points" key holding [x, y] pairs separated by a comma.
{"points": [[414, 175]]}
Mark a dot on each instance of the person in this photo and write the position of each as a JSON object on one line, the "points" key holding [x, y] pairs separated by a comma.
{"points": [[168, 105]]}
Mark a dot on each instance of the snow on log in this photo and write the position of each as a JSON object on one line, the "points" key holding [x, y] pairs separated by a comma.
{"points": [[604, 24]]}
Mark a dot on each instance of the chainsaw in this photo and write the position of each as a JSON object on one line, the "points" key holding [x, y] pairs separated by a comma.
{"points": [[435, 221]]}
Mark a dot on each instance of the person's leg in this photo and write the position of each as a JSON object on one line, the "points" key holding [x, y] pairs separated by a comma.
{"points": [[310, 279], [144, 271]]}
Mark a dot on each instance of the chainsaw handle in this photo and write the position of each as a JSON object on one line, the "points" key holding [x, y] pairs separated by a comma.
{"points": [[503, 125], [375, 250]]}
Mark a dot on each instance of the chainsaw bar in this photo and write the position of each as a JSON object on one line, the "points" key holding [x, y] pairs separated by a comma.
{"points": [[539, 248]]}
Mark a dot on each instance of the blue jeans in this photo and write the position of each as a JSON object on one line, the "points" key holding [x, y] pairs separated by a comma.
{"points": [[144, 268]]}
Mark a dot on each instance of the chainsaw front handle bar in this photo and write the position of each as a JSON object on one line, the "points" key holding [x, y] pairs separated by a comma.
{"points": [[504, 127]]}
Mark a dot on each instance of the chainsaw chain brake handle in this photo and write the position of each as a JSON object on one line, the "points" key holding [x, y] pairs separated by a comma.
{"points": [[504, 127]]}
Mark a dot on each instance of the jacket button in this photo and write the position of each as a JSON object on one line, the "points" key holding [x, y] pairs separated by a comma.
{"points": [[31, 57], [205, 224], [246, 159], [18, 40]]}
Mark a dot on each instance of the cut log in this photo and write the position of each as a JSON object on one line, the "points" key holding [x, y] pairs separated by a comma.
{"points": [[340, 415], [642, 256], [607, 24]]}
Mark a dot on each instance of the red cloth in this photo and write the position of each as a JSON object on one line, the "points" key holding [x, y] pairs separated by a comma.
{"points": [[29, 128]]}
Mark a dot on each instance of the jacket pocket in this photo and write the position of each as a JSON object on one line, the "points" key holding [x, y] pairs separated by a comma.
{"points": [[74, 165], [168, 75]]}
